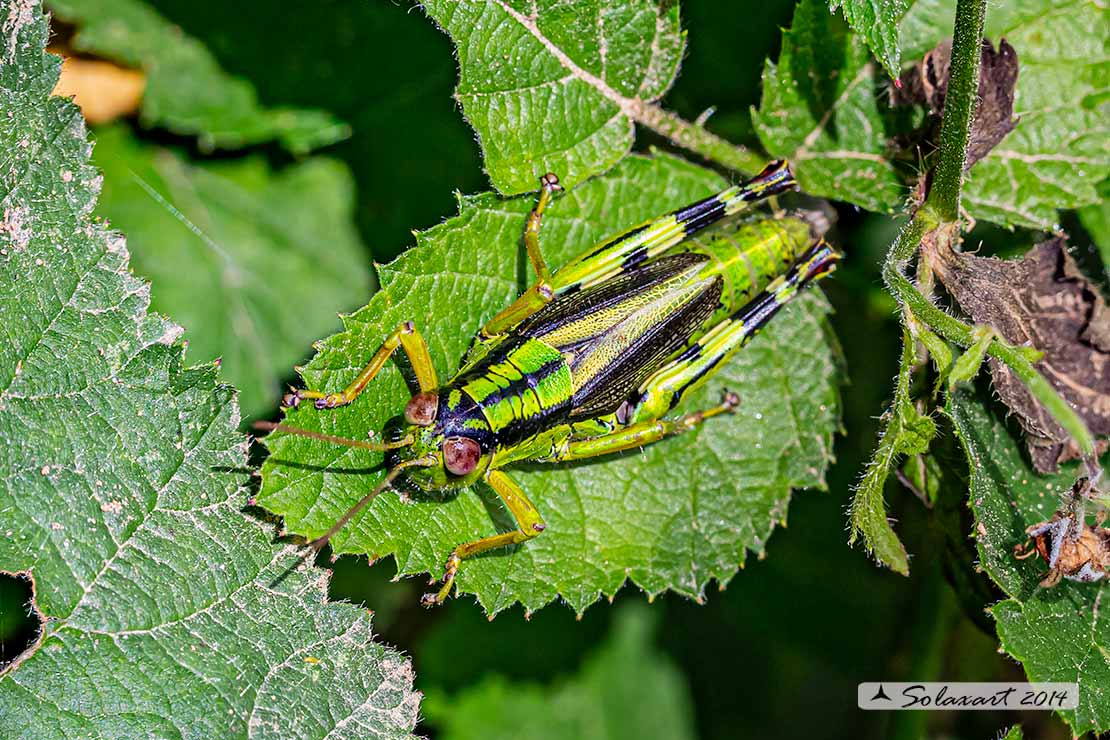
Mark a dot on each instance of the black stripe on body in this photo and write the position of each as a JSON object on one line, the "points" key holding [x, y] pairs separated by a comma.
{"points": [[755, 315], [523, 427], [519, 427], [697, 216], [452, 421], [692, 352], [703, 213], [775, 178], [634, 258], [681, 390], [514, 386]]}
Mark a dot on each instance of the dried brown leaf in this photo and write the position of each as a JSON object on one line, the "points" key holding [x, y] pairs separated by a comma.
{"points": [[927, 84], [1072, 549], [1042, 300]]}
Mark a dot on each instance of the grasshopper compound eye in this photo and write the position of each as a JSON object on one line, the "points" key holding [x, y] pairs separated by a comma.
{"points": [[460, 455], [421, 409]]}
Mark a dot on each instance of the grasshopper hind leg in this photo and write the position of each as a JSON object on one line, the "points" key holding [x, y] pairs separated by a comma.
{"points": [[642, 433], [675, 381], [654, 238], [640, 421], [631, 248]]}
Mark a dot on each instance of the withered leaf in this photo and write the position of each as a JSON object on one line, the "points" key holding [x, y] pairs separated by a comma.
{"points": [[927, 84], [1072, 548], [1042, 300]]}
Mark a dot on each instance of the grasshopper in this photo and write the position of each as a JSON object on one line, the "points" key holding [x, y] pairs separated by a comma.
{"points": [[591, 358]]}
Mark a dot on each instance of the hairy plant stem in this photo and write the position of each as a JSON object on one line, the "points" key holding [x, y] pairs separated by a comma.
{"points": [[697, 139], [868, 511], [960, 103], [959, 332], [939, 218]]}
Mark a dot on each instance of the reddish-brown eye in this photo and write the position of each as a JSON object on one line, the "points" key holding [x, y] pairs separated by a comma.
{"points": [[421, 409], [460, 455]]}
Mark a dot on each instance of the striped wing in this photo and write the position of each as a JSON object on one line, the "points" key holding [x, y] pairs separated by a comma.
{"points": [[617, 333]]}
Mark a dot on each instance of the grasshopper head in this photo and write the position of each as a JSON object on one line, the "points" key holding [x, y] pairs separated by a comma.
{"points": [[443, 433]]}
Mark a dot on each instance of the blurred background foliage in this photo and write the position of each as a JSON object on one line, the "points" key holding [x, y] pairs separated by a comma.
{"points": [[777, 654]]}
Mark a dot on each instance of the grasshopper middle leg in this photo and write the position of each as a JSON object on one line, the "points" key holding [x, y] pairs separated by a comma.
{"points": [[542, 292], [528, 521], [641, 433]]}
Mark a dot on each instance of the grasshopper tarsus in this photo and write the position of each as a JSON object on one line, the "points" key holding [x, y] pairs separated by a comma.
{"points": [[435, 598], [550, 181], [730, 400]]}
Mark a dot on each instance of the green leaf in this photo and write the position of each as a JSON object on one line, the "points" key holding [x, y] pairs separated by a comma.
{"points": [[1014, 733], [186, 90], [820, 109], [1056, 633], [868, 514], [681, 513], [121, 483], [967, 365], [626, 688], [1060, 150], [275, 255], [915, 431], [906, 431], [924, 474], [877, 22], [938, 349], [551, 87]]}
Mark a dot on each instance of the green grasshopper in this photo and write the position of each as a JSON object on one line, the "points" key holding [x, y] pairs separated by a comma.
{"points": [[591, 358]]}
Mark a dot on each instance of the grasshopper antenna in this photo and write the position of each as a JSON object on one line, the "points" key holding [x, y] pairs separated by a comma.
{"points": [[314, 546], [269, 426], [421, 462], [387, 481]]}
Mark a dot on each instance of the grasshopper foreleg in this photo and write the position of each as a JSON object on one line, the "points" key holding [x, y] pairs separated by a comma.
{"points": [[406, 337]]}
